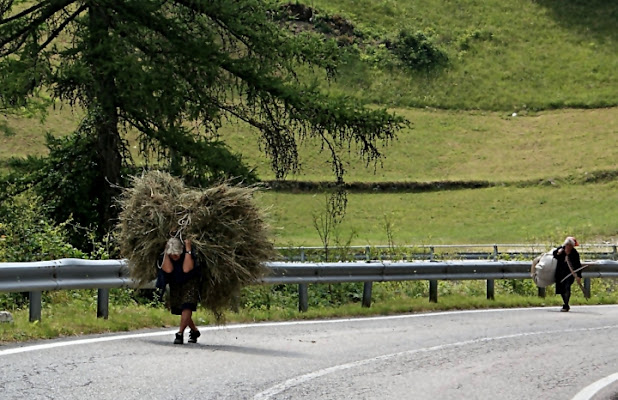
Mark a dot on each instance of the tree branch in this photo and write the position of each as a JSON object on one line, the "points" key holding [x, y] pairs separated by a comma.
{"points": [[25, 12], [61, 27], [47, 13]]}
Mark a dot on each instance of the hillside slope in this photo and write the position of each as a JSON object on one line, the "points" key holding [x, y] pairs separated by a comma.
{"points": [[512, 56], [526, 57]]}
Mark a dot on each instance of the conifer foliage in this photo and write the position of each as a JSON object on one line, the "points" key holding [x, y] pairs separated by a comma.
{"points": [[174, 70]]}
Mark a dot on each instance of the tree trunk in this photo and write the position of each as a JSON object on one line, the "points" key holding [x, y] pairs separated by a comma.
{"points": [[104, 114]]}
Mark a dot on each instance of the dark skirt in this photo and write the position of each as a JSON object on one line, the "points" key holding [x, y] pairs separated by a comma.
{"points": [[184, 296], [564, 287]]}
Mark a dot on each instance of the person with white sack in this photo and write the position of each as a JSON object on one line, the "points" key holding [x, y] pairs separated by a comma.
{"points": [[568, 269]]}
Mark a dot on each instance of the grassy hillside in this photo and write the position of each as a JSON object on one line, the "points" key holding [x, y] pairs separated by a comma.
{"points": [[542, 214], [441, 145], [552, 63], [463, 145], [513, 55]]}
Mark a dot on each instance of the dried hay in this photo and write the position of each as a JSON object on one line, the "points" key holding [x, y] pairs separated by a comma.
{"points": [[226, 228]]}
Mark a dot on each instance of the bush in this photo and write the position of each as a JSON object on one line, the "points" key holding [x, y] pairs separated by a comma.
{"points": [[27, 235], [417, 52]]}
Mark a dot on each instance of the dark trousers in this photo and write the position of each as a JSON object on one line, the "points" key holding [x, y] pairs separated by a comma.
{"points": [[565, 292]]}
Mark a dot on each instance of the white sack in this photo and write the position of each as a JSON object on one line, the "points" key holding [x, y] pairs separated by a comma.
{"points": [[544, 269]]}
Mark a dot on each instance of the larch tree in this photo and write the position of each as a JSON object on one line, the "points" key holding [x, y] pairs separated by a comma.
{"points": [[164, 67]]}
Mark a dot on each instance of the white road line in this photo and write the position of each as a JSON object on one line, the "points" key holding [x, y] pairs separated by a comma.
{"points": [[45, 346], [301, 379], [590, 391]]}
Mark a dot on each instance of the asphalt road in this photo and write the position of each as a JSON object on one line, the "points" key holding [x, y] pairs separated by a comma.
{"points": [[493, 354]]}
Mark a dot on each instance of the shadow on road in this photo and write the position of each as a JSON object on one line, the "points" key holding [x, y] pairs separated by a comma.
{"points": [[232, 349]]}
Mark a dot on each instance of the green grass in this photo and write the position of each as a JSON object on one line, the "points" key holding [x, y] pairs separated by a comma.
{"points": [[493, 215], [459, 145], [553, 63], [541, 55], [67, 318], [441, 145]]}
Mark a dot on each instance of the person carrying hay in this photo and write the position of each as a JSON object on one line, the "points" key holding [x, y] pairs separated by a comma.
{"points": [[183, 276], [230, 239]]}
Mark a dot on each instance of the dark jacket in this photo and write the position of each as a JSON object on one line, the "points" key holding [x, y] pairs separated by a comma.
{"points": [[562, 269], [177, 276]]}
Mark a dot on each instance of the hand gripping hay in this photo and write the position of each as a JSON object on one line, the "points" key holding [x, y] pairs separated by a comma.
{"points": [[227, 231]]}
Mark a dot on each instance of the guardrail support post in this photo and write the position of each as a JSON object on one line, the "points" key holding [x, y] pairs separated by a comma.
{"points": [[615, 252], [303, 289], [367, 289], [35, 306], [542, 292], [103, 303], [433, 291], [303, 297], [431, 253], [490, 289], [587, 287]]}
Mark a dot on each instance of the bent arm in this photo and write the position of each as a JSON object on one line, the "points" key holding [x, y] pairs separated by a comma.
{"points": [[577, 263], [167, 266], [188, 263]]}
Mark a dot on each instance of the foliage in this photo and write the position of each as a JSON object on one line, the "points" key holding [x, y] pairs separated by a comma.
{"points": [[327, 221], [465, 42], [66, 179], [418, 52], [174, 71], [65, 182], [520, 66], [27, 235]]}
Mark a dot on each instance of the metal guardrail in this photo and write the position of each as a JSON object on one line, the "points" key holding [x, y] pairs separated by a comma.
{"points": [[296, 273], [66, 273], [436, 251], [35, 277]]}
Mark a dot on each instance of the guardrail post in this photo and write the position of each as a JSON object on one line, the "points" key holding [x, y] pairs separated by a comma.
{"points": [[367, 286], [433, 291], [367, 289], [303, 297], [303, 289], [615, 248], [103, 303], [490, 289], [35, 306], [431, 253], [490, 282], [587, 287], [541, 292]]}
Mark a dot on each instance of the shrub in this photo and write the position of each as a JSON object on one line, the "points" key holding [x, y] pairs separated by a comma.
{"points": [[27, 235], [417, 51]]}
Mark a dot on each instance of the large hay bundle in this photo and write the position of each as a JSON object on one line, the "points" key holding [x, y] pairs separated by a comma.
{"points": [[226, 228]]}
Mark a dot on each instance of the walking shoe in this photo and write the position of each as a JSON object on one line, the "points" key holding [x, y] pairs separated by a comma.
{"points": [[179, 338], [565, 309], [193, 335]]}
